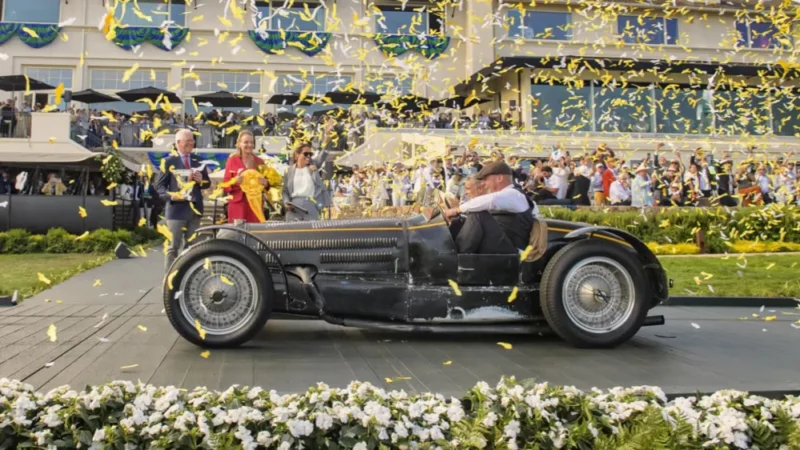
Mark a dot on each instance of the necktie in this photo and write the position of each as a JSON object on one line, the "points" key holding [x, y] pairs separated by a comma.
{"points": [[186, 163]]}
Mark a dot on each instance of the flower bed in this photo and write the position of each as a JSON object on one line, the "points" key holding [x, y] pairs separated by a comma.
{"points": [[511, 415], [58, 240]]}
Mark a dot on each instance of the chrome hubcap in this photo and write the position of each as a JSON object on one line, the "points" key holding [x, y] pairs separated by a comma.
{"points": [[220, 293], [598, 295]]}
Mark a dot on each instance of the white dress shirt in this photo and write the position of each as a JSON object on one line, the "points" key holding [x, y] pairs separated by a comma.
{"points": [[618, 193], [303, 183], [508, 199]]}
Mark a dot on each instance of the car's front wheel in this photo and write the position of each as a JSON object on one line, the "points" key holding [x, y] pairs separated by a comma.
{"points": [[219, 294], [594, 293]]}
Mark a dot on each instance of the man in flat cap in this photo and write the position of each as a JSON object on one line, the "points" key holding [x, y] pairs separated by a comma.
{"points": [[497, 222]]}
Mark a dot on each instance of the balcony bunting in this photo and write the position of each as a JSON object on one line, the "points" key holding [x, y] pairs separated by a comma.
{"points": [[129, 37], [34, 35], [273, 42], [429, 46]]}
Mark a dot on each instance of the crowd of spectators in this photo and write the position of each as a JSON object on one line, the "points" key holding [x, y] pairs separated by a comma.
{"points": [[599, 178]]}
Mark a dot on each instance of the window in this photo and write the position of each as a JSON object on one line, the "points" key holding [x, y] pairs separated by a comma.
{"points": [[261, 14], [647, 30], [759, 35], [158, 11], [561, 107], [320, 84], [539, 25], [395, 86], [236, 82], [741, 112], [413, 19], [294, 18], [785, 117], [684, 110], [28, 11], [111, 79], [52, 76], [624, 110]]}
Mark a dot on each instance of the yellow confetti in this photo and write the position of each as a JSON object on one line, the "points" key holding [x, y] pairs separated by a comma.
{"points": [[59, 93], [82, 211], [132, 366], [447, 363], [51, 332], [142, 222], [770, 266], [129, 73], [30, 32], [206, 354], [455, 287], [513, 295], [97, 283], [505, 345], [109, 202], [226, 280], [111, 186], [43, 278], [706, 276], [199, 329], [170, 278], [770, 318], [524, 255], [142, 327]]}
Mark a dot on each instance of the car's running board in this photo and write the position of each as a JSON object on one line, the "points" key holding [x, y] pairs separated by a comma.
{"points": [[653, 320], [503, 328]]}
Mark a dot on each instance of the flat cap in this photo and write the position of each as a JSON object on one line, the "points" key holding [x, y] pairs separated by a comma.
{"points": [[495, 168]]}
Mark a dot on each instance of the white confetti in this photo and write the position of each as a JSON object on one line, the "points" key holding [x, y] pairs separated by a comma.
{"points": [[762, 308], [105, 316], [4, 204], [103, 340], [178, 294], [50, 364], [3, 57], [696, 326]]}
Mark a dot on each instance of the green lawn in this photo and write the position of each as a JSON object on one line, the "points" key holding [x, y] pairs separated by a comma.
{"points": [[19, 272], [757, 276]]}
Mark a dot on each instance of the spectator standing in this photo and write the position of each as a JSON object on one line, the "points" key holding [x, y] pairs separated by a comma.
{"points": [[609, 176], [642, 188], [302, 187], [596, 188], [620, 191], [6, 185], [183, 212]]}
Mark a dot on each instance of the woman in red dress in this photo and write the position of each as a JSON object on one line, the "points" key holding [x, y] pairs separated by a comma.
{"points": [[238, 206]]}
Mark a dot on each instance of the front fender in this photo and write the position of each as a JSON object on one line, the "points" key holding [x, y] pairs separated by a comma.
{"points": [[653, 268]]}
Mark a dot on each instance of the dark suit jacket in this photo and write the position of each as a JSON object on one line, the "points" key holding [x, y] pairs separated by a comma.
{"points": [[167, 183]]}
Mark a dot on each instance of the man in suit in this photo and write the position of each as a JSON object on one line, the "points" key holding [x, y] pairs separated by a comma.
{"points": [[182, 214], [302, 187]]}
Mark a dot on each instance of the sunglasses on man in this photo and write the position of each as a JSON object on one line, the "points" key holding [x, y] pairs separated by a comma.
{"points": [[308, 154]]}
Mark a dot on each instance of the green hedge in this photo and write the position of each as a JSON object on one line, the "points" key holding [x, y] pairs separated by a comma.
{"points": [[58, 240], [773, 223]]}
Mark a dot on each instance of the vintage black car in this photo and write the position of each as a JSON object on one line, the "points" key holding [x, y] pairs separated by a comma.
{"points": [[593, 286]]}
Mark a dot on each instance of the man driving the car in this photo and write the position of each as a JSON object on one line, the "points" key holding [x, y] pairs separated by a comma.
{"points": [[498, 221]]}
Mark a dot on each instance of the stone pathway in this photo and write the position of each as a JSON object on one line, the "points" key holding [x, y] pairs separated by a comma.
{"points": [[291, 355]]}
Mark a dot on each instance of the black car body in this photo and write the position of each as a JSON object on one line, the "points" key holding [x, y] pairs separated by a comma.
{"points": [[591, 285]]}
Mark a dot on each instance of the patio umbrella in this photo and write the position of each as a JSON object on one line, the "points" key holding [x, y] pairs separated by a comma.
{"points": [[290, 99], [353, 97], [459, 102], [150, 93], [14, 83], [90, 96], [225, 99], [335, 112]]}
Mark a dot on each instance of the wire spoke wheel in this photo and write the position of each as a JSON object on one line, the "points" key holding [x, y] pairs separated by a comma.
{"points": [[598, 295], [220, 293]]}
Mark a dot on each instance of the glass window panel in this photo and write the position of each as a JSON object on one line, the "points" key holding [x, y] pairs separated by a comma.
{"points": [[189, 109], [547, 25], [786, 113], [647, 30], [261, 12], [390, 85], [684, 110], [395, 20], [559, 107], [763, 35], [156, 10], [28, 11], [111, 79], [624, 110], [291, 19], [51, 76], [744, 34], [740, 112], [177, 12]]}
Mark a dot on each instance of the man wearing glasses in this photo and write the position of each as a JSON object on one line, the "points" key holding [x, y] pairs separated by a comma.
{"points": [[302, 187], [181, 184]]}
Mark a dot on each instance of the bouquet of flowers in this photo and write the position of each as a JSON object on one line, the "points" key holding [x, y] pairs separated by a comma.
{"points": [[272, 170]]}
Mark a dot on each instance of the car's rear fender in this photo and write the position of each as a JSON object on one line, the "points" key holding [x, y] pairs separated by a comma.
{"points": [[657, 277]]}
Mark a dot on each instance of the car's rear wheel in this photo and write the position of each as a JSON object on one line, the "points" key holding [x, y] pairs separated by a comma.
{"points": [[594, 293], [221, 294]]}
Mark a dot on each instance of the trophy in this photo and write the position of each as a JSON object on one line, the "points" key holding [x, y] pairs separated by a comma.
{"points": [[184, 177]]}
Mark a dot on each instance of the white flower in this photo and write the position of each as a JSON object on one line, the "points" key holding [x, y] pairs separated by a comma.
{"points": [[99, 435], [436, 433], [285, 446], [455, 412], [401, 430], [360, 446], [300, 428], [42, 437], [323, 421], [263, 438], [511, 430], [490, 419]]}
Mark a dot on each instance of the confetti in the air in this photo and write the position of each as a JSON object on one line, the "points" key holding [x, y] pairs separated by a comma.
{"points": [[505, 345]]}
